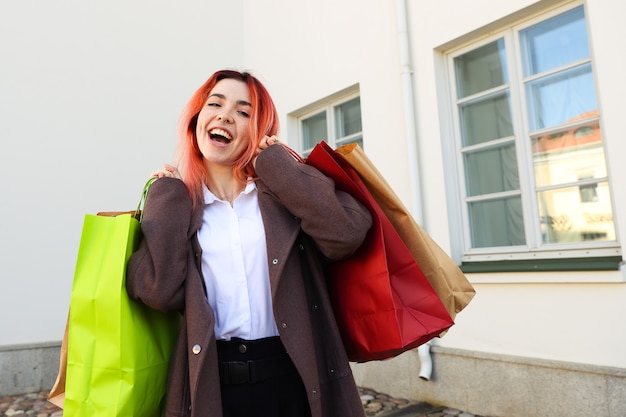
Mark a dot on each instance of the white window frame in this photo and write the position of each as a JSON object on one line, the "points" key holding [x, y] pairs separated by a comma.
{"points": [[459, 211], [327, 105]]}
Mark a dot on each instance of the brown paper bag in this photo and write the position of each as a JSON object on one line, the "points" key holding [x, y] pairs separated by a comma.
{"points": [[446, 278], [57, 393]]}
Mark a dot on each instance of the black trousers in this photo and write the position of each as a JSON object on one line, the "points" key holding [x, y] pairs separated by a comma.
{"points": [[259, 379]]}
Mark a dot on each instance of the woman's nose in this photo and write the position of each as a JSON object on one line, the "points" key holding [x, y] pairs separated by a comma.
{"points": [[224, 118]]}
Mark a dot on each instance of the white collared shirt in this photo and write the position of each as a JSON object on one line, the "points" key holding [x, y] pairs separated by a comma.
{"points": [[234, 266]]}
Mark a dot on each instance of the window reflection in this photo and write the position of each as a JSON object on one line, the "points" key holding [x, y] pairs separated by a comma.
{"points": [[564, 219]]}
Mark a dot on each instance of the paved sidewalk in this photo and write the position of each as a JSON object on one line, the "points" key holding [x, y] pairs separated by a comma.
{"points": [[374, 403], [377, 404]]}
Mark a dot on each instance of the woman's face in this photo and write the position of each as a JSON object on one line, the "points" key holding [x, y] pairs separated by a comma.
{"points": [[222, 128]]}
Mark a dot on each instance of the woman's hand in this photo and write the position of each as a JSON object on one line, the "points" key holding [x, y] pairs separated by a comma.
{"points": [[168, 171], [265, 143]]}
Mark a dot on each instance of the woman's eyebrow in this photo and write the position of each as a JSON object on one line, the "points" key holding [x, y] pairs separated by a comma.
{"points": [[223, 97]]}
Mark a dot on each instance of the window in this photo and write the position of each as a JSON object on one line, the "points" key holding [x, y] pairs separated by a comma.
{"points": [[531, 158], [337, 122]]}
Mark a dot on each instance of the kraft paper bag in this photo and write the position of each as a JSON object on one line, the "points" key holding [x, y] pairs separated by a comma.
{"points": [[451, 285], [57, 393]]}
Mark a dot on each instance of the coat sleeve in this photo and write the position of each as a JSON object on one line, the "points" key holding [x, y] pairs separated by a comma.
{"points": [[156, 271], [336, 221]]}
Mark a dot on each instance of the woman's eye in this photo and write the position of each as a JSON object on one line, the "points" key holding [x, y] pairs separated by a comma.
{"points": [[213, 104], [244, 113]]}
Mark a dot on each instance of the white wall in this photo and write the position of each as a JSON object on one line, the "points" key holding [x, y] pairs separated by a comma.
{"points": [[560, 316], [90, 93], [320, 48], [306, 51], [90, 96]]}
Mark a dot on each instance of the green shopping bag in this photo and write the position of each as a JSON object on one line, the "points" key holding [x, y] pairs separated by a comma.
{"points": [[118, 349]]}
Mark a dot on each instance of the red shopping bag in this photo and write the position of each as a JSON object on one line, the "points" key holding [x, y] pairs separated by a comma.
{"points": [[382, 301]]}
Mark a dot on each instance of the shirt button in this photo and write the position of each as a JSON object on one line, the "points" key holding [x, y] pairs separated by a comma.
{"points": [[196, 349], [243, 348], [275, 261]]}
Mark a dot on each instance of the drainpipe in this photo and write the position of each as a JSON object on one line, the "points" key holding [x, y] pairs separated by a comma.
{"points": [[410, 118], [406, 72], [426, 361]]}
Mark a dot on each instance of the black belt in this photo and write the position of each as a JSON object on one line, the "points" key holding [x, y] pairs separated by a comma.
{"points": [[251, 372]]}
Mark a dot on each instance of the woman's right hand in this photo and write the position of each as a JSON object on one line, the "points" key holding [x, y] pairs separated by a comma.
{"points": [[168, 171], [265, 143]]}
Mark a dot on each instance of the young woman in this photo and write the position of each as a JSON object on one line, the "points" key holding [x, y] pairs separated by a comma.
{"points": [[236, 238]]}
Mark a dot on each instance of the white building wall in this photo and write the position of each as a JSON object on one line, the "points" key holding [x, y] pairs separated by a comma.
{"points": [[90, 97], [307, 51], [560, 316], [318, 49], [90, 93]]}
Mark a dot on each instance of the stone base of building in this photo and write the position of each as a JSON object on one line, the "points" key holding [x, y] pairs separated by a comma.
{"points": [[501, 385], [28, 368], [477, 382]]}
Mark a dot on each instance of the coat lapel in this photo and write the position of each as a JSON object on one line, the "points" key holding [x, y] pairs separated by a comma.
{"points": [[281, 231]]}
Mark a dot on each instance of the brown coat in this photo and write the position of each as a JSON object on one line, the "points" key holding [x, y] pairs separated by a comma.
{"points": [[307, 223]]}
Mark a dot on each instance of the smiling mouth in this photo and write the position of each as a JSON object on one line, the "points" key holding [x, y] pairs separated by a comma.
{"points": [[220, 135]]}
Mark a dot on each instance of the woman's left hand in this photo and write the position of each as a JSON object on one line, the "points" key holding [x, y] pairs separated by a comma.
{"points": [[168, 171], [265, 143]]}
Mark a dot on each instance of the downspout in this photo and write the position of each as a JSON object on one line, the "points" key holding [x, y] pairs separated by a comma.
{"points": [[406, 72], [426, 361], [410, 118]]}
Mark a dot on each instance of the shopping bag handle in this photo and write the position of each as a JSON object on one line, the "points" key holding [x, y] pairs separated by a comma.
{"points": [[142, 201], [293, 153], [138, 213]]}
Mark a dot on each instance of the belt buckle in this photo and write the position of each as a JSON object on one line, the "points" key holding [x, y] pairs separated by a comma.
{"points": [[238, 372]]}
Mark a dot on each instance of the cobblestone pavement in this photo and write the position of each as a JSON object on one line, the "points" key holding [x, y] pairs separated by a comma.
{"points": [[35, 404], [377, 404], [374, 403]]}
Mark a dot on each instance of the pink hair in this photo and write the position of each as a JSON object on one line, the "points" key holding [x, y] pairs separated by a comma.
{"points": [[263, 121]]}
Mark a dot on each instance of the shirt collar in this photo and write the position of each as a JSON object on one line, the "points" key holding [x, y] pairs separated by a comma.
{"points": [[210, 198]]}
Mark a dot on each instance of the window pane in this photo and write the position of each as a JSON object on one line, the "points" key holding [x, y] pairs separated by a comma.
{"points": [[555, 42], [569, 156], [492, 171], [560, 98], [481, 69], [348, 118], [564, 178], [565, 218], [497, 223], [486, 120], [314, 129]]}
